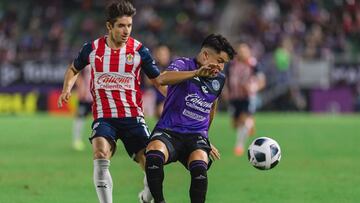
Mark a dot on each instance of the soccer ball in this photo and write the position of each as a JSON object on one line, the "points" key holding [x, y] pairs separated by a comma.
{"points": [[264, 153]]}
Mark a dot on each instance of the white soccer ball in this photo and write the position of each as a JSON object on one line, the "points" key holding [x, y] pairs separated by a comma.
{"points": [[264, 153]]}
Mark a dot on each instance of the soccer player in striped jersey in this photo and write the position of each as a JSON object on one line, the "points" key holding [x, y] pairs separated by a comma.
{"points": [[181, 134], [244, 81], [116, 60]]}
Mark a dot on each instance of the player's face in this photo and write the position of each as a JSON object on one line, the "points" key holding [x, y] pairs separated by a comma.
{"points": [[243, 51], [120, 31], [210, 56], [162, 55]]}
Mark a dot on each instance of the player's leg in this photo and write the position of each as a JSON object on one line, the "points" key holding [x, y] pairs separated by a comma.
{"points": [[198, 166], [102, 177], [135, 135], [78, 126], [104, 145], [240, 118], [242, 132], [156, 156], [145, 195]]}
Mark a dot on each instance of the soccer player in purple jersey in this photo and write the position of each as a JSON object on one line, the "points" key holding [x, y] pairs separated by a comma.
{"points": [[181, 134]]}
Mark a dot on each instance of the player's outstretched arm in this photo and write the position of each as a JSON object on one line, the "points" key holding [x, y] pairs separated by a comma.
{"points": [[174, 77], [71, 75], [161, 88]]}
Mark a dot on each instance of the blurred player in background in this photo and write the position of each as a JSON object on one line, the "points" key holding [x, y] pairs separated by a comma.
{"points": [[181, 134], [84, 108], [116, 60], [244, 80], [162, 56]]}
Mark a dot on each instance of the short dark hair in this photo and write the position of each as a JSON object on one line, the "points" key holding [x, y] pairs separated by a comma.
{"points": [[119, 9], [219, 43]]}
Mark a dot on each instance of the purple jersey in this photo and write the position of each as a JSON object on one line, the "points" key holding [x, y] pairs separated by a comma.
{"points": [[188, 104]]}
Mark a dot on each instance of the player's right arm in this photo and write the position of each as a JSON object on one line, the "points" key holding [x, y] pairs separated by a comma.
{"points": [[72, 73], [174, 73]]}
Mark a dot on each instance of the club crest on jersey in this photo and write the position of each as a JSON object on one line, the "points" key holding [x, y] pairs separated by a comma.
{"points": [[216, 85], [129, 59]]}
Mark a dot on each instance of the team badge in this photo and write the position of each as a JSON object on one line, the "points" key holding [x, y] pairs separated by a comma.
{"points": [[215, 84], [129, 59]]}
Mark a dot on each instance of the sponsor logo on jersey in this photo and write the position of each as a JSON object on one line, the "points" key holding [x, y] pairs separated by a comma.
{"points": [[193, 115], [113, 81], [194, 101], [204, 89], [100, 58]]}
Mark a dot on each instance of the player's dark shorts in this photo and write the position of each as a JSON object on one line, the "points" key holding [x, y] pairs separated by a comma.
{"points": [[84, 109], [181, 145], [133, 132], [238, 107]]}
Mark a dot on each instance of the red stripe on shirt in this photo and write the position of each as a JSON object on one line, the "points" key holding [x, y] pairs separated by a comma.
{"points": [[105, 104], [119, 105], [99, 55], [133, 108]]}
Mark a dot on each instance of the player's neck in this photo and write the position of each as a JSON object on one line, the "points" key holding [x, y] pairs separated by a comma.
{"points": [[112, 44]]}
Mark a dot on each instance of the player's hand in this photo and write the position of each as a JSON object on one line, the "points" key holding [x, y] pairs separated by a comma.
{"points": [[214, 153], [63, 98], [210, 70]]}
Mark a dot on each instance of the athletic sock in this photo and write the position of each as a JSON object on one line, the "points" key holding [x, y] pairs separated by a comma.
{"points": [[77, 129], [102, 180], [199, 181], [154, 169], [242, 134]]}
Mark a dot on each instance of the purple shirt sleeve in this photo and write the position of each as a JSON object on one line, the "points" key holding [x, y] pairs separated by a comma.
{"points": [[178, 65]]}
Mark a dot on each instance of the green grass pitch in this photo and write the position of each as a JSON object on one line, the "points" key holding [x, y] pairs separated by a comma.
{"points": [[320, 163]]}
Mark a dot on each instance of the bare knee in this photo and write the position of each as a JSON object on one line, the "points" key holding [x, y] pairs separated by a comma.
{"points": [[101, 148], [159, 146], [102, 154]]}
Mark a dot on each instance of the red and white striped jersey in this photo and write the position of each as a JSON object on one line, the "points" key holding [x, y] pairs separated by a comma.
{"points": [[115, 77], [239, 77]]}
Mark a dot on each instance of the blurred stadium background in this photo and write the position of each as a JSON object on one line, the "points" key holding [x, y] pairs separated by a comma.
{"points": [[309, 51]]}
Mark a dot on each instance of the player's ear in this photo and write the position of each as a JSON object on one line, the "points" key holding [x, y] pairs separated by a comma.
{"points": [[108, 25], [205, 54]]}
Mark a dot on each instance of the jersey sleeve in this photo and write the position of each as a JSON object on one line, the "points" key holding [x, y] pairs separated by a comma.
{"points": [[178, 65], [148, 63], [82, 59]]}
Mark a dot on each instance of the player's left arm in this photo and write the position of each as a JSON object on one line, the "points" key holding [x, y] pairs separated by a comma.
{"points": [[72, 73], [214, 153], [258, 79], [151, 70]]}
